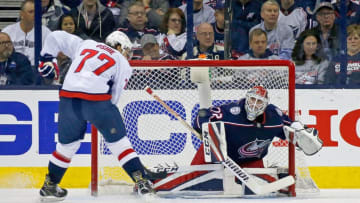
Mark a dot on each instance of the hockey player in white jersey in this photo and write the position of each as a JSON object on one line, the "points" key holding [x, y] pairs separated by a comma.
{"points": [[92, 87]]}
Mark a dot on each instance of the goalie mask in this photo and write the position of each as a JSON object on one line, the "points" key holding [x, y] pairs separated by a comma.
{"points": [[256, 102], [119, 38]]}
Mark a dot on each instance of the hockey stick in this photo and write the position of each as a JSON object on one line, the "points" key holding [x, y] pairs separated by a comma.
{"points": [[209, 167], [240, 173]]}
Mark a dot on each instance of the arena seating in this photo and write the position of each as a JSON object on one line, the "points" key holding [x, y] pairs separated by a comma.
{"points": [[9, 12]]}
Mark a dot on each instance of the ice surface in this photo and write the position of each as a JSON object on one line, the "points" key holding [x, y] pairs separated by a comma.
{"points": [[83, 196]]}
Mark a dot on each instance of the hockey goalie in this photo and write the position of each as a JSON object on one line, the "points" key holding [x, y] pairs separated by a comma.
{"points": [[235, 139]]}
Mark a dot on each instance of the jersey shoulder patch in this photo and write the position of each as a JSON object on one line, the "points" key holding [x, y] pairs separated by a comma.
{"points": [[235, 110]]}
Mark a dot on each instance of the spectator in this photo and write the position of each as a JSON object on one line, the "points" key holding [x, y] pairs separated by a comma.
{"points": [[258, 46], [115, 7], [352, 14], [51, 12], [205, 44], [294, 16], [202, 13], [219, 24], [22, 33], [71, 3], [172, 38], [151, 49], [154, 9], [246, 14], [136, 26], [67, 23], [310, 64], [124, 11], [280, 36], [327, 30], [353, 59], [307, 5], [15, 68], [176, 3], [212, 3], [93, 19]]}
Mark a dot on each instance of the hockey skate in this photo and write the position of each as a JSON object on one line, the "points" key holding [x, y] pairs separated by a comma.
{"points": [[143, 186], [51, 192]]}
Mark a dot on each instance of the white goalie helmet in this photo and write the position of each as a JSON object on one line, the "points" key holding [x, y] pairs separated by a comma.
{"points": [[256, 102], [119, 38]]}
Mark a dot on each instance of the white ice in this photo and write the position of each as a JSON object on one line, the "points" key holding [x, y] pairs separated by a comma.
{"points": [[82, 196]]}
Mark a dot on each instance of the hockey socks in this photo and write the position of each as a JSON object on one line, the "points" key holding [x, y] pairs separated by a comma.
{"points": [[134, 165], [56, 173]]}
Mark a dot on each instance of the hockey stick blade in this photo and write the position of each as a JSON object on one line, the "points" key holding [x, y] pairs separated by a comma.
{"points": [[251, 183], [229, 163], [277, 185]]}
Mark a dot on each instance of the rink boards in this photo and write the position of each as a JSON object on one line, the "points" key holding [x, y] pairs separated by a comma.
{"points": [[28, 131]]}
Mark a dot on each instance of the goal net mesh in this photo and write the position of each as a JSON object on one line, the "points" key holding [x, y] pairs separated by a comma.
{"points": [[159, 138]]}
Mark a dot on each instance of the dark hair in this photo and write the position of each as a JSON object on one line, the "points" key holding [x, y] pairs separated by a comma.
{"points": [[298, 54], [164, 25], [61, 19]]}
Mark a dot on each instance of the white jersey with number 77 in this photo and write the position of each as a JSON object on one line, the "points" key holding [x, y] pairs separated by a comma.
{"points": [[97, 73]]}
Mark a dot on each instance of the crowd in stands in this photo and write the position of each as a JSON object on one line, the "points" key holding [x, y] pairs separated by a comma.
{"points": [[306, 32]]}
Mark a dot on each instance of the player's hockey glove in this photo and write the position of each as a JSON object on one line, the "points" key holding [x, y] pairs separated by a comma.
{"points": [[48, 68]]}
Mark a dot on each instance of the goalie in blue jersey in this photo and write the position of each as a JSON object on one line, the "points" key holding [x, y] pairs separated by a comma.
{"points": [[252, 123], [239, 133]]}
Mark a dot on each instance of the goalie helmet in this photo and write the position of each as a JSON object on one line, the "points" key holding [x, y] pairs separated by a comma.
{"points": [[119, 38], [256, 102]]}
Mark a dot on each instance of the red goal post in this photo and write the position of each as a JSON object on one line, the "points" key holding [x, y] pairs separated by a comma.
{"points": [[171, 79]]}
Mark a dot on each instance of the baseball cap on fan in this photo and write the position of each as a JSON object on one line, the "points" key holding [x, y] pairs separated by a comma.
{"points": [[147, 38], [323, 4]]}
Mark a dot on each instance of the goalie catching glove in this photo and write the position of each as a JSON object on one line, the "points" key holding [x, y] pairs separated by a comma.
{"points": [[307, 139], [47, 68]]}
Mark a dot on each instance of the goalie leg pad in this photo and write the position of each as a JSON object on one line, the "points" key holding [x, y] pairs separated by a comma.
{"points": [[214, 132]]}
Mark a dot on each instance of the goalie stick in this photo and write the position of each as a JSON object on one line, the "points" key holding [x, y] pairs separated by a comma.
{"points": [[240, 173]]}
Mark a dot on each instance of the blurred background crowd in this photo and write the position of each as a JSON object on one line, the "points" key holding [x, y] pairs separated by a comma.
{"points": [[321, 37]]}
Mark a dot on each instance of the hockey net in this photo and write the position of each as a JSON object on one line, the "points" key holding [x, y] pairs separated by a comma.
{"points": [[159, 138]]}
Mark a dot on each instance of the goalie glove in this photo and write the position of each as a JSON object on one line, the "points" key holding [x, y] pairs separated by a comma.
{"points": [[306, 139], [47, 68]]}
